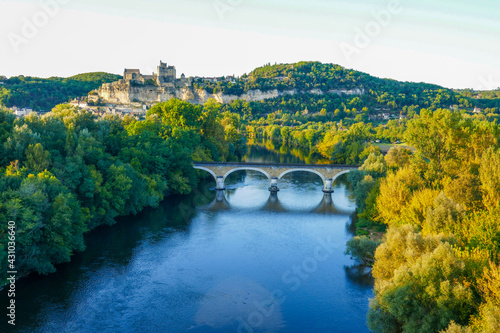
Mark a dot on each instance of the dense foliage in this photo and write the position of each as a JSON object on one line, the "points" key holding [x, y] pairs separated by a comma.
{"points": [[321, 86], [44, 94], [67, 172], [345, 142], [438, 266]]}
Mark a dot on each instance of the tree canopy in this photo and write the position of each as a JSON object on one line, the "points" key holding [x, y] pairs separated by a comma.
{"points": [[69, 171]]}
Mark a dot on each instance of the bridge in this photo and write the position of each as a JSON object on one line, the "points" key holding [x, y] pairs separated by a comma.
{"points": [[274, 172]]}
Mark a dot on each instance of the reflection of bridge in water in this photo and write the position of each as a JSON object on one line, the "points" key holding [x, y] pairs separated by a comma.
{"points": [[273, 204], [274, 172]]}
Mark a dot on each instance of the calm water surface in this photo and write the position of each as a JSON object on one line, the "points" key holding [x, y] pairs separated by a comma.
{"points": [[249, 263]]}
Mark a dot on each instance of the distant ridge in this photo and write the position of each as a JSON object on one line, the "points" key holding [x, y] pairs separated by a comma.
{"points": [[276, 84]]}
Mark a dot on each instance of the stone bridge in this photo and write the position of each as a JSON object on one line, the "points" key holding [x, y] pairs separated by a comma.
{"points": [[274, 172]]}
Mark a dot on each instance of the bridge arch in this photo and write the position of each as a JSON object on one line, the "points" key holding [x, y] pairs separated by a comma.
{"points": [[245, 169], [323, 178], [207, 170], [340, 174]]}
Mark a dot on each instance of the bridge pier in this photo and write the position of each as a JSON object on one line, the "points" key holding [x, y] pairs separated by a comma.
{"points": [[220, 183], [219, 196], [327, 198], [328, 186], [274, 185]]}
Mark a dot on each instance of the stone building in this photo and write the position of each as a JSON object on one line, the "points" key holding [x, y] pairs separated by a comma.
{"points": [[132, 75], [164, 77]]}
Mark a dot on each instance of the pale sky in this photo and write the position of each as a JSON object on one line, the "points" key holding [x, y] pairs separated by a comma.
{"points": [[453, 43]]}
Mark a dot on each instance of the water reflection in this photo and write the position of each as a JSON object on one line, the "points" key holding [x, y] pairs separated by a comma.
{"points": [[270, 152], [274, 204], [360, 275]]}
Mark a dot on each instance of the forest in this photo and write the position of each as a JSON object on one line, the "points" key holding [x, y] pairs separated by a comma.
{"points": [[67, 172], [379, 94], [44, 94], [436, 268]]}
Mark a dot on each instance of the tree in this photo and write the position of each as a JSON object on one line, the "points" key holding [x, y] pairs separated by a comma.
{"points": [[437, 135], [285, 134], [177, 113], [363, 249], [397, 157], [37, 159], [490, 178], [417, 288], [416, 211], [395, 192], [465, 190], [443, 215], [374, 165]]}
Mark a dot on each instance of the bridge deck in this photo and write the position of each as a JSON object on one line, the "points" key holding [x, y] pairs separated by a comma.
{"points": [[278, 165]]}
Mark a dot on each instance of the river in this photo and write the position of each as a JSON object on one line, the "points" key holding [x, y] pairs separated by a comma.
{"points": [[249, 263]]}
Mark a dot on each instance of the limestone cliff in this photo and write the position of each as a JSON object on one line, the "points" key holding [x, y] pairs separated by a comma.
{"points": [[123, 92]]}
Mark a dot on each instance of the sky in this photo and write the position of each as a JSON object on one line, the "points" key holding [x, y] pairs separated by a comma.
{"points": [[453, 43]]}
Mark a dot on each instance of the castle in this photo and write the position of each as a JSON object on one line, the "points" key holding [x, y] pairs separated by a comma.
{"points": [[166, 76], [139, 89]]}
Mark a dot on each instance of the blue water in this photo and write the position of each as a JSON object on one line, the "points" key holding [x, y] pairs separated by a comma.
{"points": [[251, 263]]}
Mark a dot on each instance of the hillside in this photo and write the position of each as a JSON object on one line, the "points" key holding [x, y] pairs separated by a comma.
{"points": [[319, 83], [45, 93]]}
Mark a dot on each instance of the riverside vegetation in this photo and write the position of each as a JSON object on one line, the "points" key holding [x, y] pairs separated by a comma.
{"points": [[437, 268], [428, 217], [68, 172]]}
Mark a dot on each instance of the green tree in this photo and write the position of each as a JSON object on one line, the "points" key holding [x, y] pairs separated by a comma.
{"points": [[363, 249], [177, 113], [490, 178], [37, 159], [418, 289]]}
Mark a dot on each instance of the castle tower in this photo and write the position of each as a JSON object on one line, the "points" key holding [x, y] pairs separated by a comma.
{"points": [[166, 74]]}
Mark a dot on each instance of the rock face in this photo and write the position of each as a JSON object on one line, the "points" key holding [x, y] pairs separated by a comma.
{"points": [[124, 92]]}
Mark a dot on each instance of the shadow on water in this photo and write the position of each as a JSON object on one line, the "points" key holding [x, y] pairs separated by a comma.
{"points": [[360, 275], [350, 226]]}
